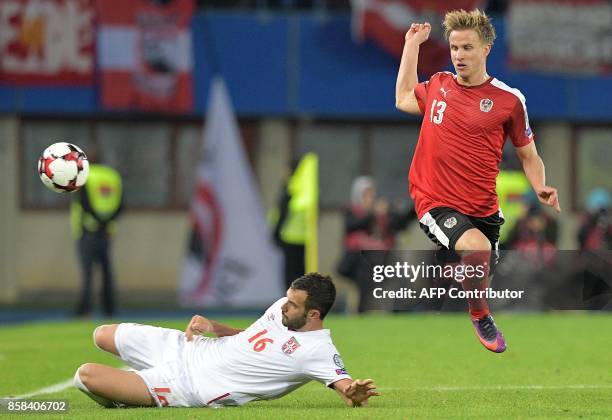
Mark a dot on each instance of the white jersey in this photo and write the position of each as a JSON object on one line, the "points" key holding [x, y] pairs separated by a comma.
{"points": [[265, 361]]}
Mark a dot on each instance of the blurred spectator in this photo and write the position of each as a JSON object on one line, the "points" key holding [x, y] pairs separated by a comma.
{"points": [[296, 223], [290, 237], [370, 225], [534, 235], [93, 212], [512, 188], [594, 236], [595, 233]]}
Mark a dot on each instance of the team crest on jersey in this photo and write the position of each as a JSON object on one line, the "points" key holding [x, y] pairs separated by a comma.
{"points": [[338, 361], [290, 346], [486, 105], [450, 222]]}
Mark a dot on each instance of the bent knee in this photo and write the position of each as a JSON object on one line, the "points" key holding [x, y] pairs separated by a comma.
{"points": [[473, 240], [480, 244], [86, 370], [85, 373], [104, 337]]}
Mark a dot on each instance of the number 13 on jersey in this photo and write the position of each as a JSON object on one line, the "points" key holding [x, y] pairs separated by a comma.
{"points": [[436, 115]]}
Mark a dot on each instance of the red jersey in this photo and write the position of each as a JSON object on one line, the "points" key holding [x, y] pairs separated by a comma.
{"points": [[464, 128]]}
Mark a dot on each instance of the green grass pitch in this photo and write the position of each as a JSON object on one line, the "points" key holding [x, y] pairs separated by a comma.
{"points": [[557, 365]]}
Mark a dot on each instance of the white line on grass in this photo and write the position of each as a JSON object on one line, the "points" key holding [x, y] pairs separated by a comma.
{"points": [[58, 387], [499, 388], [68, 383], [47, 390], [491, 388]]}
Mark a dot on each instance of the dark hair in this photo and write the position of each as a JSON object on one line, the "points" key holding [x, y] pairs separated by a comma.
{"points": [[321, 291]]}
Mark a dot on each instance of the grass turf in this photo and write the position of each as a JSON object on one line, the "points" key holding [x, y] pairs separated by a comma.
{"points": [[426, 366]]}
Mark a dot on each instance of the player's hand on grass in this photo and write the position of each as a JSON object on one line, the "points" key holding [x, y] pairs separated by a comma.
{"points": [[198, 325], [418, 32], [548, 195], [360, 390]]}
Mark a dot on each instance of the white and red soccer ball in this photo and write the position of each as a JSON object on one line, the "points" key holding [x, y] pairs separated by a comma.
{"points": [[63, 167]]}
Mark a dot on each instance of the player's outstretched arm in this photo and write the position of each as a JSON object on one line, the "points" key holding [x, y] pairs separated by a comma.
{"points": [[200, 325], [407, 78], [536, 174], [355, 393]]}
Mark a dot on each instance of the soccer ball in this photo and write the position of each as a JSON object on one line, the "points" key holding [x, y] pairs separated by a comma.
{"points": [[63, 167]]}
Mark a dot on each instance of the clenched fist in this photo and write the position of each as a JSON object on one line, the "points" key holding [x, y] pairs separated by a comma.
{"points": [[198, 325], [418, 32]]}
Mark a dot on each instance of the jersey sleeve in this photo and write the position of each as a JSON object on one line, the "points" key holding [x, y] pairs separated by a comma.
{"points": [[325, 365], [420, 92], [518, 128]]}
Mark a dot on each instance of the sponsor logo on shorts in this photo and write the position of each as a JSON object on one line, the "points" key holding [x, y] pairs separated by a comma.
{"points": [[486, 105], [341, 372], [290, 346], [338, 361], [450, 222]]}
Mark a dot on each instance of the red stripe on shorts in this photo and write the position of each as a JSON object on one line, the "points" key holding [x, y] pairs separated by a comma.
{"points": [[218, 398]]}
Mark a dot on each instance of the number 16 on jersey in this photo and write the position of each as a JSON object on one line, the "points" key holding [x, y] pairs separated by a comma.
{"points": [[260, 344]]}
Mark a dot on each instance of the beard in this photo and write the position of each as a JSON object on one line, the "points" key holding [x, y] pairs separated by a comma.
{"points": [[295, 323]]}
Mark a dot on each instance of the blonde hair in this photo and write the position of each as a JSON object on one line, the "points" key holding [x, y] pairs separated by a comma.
{"points": [[477, 20]]}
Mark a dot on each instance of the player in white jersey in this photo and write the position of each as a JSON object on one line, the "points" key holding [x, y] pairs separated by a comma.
{"points": [[284, 349]]}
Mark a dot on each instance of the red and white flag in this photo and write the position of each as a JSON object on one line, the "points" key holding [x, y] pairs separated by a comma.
{"points": [[47, 42], [231, 259], [145, 55], [386, 22], [560, 36]]}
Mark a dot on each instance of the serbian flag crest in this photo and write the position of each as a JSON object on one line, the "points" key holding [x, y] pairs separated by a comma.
{"points": [[145, 55]]}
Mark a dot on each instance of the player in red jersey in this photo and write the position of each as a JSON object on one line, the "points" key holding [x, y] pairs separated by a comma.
{"points": [[467, 117]]}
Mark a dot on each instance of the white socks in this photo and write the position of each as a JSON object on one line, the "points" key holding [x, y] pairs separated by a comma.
{"points": [[94, 337]]}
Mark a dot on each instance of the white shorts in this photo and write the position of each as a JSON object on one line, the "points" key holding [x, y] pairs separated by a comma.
{"points": [[157, 356]]}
